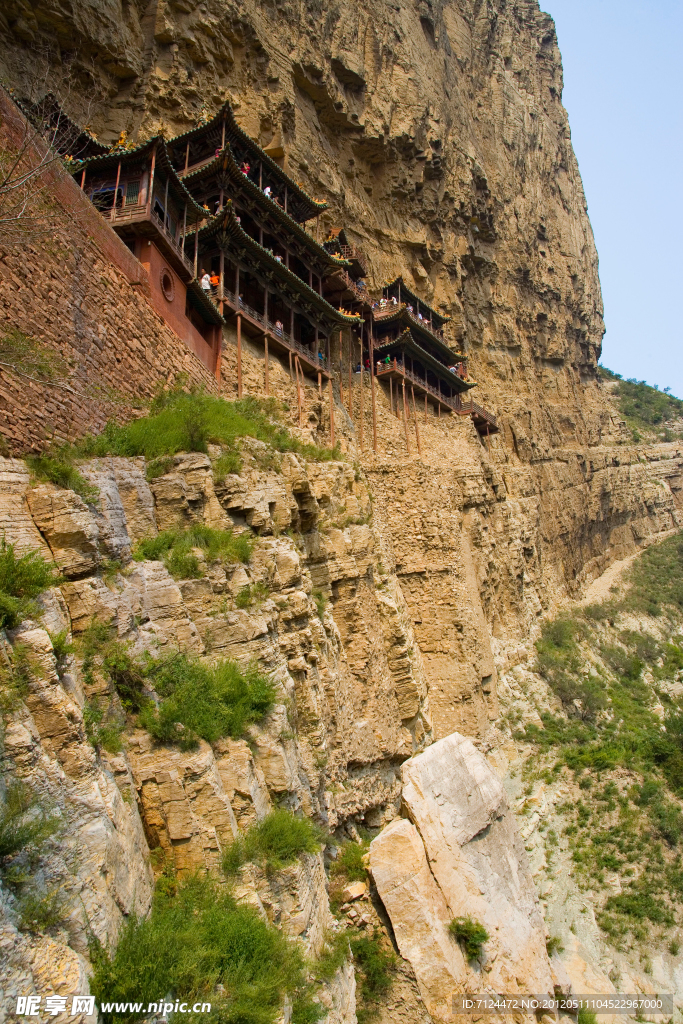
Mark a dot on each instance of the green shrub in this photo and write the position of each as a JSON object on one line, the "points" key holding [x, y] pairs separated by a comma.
{"points": [[376, 966], [40, 909], [24, 821], [553, 944], [195, 939], [349, 862], [204, 701], [642, 406], [251, 593], [100, 729], [22, 578], [57, 467], [470, 934], [276, 841], [175, 549], [320, 603], [61, 646], [334, 954], [587, 1016]]}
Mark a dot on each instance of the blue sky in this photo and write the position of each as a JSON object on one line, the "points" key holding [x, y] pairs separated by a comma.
{"points": [[622, 63]]}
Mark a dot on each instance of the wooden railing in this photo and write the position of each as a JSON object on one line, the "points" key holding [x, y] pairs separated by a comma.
{"points": [[123, 214], [279, 333], [398, 367], [350, 252], [479, 410], [390, 308]]}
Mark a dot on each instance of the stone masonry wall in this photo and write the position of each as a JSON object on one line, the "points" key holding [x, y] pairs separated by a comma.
{"points": [[77, 289]]}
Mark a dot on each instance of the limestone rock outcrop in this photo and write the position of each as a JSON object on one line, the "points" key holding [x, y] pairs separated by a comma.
{"points": [[456, 853]]}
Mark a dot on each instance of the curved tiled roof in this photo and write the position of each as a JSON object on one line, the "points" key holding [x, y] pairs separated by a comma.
{"points": [[163, 162], [317, 206], [407, 341], [391, 313], [416, 298], [226, 161], [226, 221]]}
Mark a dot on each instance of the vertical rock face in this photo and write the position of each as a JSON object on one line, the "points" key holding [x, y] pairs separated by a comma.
{"points": [[458, 854]]}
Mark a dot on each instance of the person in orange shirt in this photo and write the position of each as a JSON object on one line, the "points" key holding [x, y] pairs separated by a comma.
{"points": [[215, 281]]}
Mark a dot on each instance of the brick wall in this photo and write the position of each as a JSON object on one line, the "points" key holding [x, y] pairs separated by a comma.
{"points": [[76, 287]]}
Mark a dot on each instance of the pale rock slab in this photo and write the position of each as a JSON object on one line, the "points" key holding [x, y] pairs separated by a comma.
{"points": [[460, 856], [69, 527], [16, 524]]}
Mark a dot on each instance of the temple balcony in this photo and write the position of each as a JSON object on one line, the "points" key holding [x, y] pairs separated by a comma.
{"points": [[390, 311], [484, 421], [148, 223]]}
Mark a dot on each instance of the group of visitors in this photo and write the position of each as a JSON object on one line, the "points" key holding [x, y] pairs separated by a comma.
{"points": [[209, 282]]}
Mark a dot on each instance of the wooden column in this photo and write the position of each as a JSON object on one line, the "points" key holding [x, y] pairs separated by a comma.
{"points": [[372, 390], [239, 356], [350, 377], [116, 188], [218, 336], [425, 408], [223, 134], [362, 370], [166, 217], [391, 395], [265, 340], [341, 371], [83, 179], [187, 156], [222, 273], [417, 425], [184, 226], [331, 398], [297, 367], [285, 198], [405, 418], [150, 192], [196, 245]]}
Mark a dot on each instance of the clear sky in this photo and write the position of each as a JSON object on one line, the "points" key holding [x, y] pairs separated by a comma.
{"points": [[623, 68]]}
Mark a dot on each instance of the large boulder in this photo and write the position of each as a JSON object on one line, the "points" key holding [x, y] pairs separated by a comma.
{"points": [[457, 853]]}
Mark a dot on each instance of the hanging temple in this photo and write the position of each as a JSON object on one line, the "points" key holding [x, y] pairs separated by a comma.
{"points": [[223, 232]]}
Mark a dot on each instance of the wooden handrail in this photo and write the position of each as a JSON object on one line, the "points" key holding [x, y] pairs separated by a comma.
{"points": [[239, 305]]}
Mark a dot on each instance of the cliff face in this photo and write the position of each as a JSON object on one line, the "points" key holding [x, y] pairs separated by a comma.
{"points": [[436, 133]]}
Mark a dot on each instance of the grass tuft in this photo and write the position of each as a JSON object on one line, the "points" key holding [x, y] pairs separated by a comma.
{"points": [[276, 841], [176, 548], [199, 944], [22, 578], [470, 934]]}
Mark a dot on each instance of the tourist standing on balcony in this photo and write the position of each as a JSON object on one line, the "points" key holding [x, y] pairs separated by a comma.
{"points": [[278, 327], [205, 281], [267, 191], [215, 281], [245, 168]]}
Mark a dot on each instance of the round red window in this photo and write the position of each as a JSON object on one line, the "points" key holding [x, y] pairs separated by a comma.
{"points": [[167, 285]]}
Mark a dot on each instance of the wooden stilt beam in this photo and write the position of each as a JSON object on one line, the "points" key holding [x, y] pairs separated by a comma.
{"points": [[350, 378], [331, 397], [405, 418], [360, 414], [372, 390], [265, 339], [116, 189], [320, 384], [417, 425], [297, 367], [425, 409], [218, 335], [239, 356], [391, 395], [341, 369], [291, 372]]}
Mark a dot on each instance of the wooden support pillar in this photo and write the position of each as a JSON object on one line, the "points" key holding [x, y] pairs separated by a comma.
{"points": [[405, 418], [320, 384], [417, 425], [265, 341], [297, 367], [150, 191], [184, 226], [166, 217], [425, 408], [83, 179], [372, 391], [331, 397], [391, 395], [196, 246], [360, 414], [260, 174], [223, 134], [221, 259], [187, 156], [218, 337], [350, 377], [291, 371], [116, 189], [239, 356], [285, 198], [341, 371], [317, 227]]}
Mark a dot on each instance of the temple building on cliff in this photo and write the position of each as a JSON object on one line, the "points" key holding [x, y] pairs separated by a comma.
{"points": [[222, 231]]}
